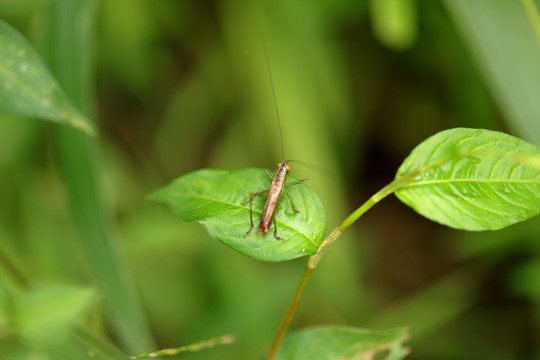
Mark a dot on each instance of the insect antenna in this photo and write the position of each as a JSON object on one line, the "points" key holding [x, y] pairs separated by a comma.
{"points": [[273, 93]]}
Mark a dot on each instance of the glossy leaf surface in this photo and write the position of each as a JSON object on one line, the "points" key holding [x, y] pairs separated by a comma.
{"points": [[216, 199], [329, 343], [481, 179], [27, 88]]}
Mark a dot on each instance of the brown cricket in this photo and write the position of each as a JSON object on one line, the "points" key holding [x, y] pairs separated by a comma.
{"points": [[274, 193], [278, 181]]}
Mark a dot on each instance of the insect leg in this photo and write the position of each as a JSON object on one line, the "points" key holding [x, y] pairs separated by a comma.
{"points": [[268, 173], [250, 201], [275, 232], [296, 182], [288, 196], [292, 204]]}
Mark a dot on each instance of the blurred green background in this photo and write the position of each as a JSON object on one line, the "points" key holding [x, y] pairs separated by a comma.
{"points": [[176, 86]]}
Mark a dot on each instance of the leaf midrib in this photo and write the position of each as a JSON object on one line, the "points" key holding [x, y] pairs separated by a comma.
{"points": [[285, 224], [414, 183]]}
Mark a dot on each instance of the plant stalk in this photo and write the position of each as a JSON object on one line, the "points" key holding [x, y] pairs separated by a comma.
{"points": [[201, 345], [325, 244], [290, 312]]}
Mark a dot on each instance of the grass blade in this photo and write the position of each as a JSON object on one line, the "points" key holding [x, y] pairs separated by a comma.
{"points": [[504, 42], [69, 58]]}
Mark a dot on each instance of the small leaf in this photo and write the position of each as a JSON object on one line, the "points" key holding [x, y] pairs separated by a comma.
{"points": [[329, 343], [216, 198], [46, 315], [484, 180], [28, 89]]}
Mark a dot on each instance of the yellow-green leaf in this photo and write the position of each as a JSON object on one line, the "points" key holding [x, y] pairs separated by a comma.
{"points": [[483, 180]]}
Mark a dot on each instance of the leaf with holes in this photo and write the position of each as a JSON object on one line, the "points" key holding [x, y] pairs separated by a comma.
{"points": [[216, 199], [483, 180], [340, 342], [27, 88]]}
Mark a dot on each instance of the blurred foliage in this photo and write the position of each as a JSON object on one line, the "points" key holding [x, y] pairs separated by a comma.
{"points": [[183, 85], [28, 88]]}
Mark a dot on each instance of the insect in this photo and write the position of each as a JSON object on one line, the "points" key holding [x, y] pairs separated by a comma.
{"points": [[278, 181]]}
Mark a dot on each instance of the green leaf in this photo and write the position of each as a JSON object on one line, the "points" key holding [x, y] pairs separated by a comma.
{"points": [[484, 180], [329, 343], [216, 198], [46, 315], [27, 88]]}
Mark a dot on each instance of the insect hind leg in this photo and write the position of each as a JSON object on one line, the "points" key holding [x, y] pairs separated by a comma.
{"points": [[296, 211], [297, 182], [275, 232], [250, 201]]}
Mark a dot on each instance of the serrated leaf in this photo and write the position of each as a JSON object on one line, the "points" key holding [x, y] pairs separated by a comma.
{"points": [[216, 198], [486, 180], [338, 342], [27, 88], [46, 315]]}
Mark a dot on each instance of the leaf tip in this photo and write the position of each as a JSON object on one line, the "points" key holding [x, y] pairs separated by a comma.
{"points": [[155, 196]]}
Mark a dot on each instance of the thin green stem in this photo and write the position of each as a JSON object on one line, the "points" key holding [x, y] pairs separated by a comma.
{"points": [[329, 240], [290, 313], [201, 345], [381, 194]]}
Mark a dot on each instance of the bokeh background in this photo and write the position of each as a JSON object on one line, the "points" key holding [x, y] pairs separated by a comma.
{"points": [[176, 86]]}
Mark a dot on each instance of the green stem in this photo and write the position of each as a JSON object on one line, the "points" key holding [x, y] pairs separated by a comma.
{"points": [[290, 313], [206, 344], [329, 240], [381, 194]]}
